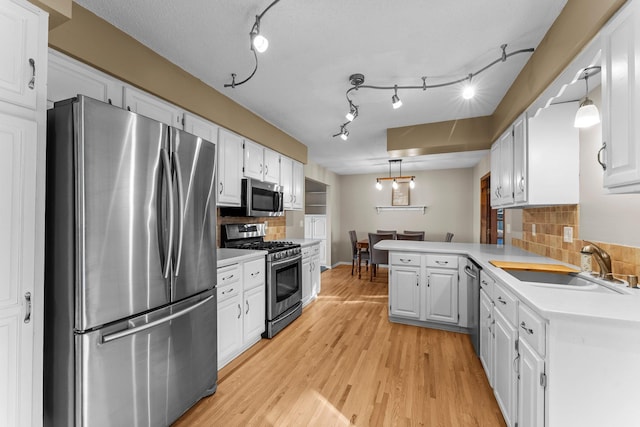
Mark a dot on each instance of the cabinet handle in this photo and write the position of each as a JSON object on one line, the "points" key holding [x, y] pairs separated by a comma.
{"points": [[260, 167], [247, 312], [221, 187], [239, 311], [524, 326], [257, 273], [522, 183], [406, 261], [227, 291], [228, 277], [501, 300], [515, 365], [32, 82], [266, 169], [604, 166], [27, 315], [442, 262], [484, 282]]}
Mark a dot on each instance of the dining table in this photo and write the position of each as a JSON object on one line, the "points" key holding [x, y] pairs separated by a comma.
{"points": [[361, 246]]}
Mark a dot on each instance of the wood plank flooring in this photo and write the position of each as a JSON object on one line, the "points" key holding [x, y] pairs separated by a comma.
{"points": [[342, 363]]}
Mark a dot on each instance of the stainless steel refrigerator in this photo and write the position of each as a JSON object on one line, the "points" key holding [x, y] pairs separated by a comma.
{"points": [[130, 270]]}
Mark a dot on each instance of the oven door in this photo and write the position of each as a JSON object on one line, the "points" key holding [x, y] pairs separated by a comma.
{"points": [[284, 285], [264, 199]]}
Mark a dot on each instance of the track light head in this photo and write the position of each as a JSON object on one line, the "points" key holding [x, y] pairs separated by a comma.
{"points": [[259, 42], [353, 112], [344, 134], [469, 90], [395, 101]]}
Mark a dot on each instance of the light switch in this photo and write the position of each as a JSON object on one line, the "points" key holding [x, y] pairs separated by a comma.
{"points": [[568, 234]]}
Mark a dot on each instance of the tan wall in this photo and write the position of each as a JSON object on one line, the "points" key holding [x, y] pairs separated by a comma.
{"points": [[576, 25], [481, 169], [448, 195], [92, 40]]}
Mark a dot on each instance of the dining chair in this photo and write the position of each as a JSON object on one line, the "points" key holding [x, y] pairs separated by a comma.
{"points": [[377, 256], [393, 232], [364, 253], [422, 233], [448, 237], [410, 236]]}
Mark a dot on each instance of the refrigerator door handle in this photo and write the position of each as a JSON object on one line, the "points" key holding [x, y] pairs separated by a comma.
{"points": [[167, 175], [178, 172], [135, 330]]}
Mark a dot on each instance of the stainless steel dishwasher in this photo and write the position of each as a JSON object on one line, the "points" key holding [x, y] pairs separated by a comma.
{"points": [[473, 305]]}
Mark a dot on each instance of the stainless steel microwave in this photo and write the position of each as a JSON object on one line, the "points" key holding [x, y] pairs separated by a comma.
{"points": [[258, 199]]}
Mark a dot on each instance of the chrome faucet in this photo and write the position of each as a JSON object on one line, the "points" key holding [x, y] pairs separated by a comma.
{"points": [[602, 258]]}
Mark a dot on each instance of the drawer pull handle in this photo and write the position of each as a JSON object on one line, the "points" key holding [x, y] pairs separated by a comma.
{"points": [[247, 301], [442, 262], [228, 277], [406, 261], [501, 300], [524, 326], [27, 316], [32, 82], [598, 157], [257, 273], [239, 311], [227, 291]]}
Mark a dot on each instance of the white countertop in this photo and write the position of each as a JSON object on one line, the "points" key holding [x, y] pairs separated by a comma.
{"points": [[303, 242], [548, 301], [228, 256]]}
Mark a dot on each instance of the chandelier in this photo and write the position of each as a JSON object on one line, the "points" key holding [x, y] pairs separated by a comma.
{"points": [[396, 179]]}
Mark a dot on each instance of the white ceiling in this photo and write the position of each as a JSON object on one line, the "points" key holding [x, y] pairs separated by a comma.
{"points": [[314, 46]]}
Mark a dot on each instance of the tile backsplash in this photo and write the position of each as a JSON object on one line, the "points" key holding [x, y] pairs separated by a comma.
{"points": [[276, 227], [548, 239]]}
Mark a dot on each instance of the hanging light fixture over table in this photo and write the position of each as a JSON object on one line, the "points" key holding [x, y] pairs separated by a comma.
{"points": [[396, 179]]}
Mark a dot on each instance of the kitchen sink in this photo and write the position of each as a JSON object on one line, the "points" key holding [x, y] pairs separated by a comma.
{"points": [[572, 281]]}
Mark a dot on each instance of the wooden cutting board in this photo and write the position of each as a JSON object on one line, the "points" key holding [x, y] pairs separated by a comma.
{"points": [[549, 268]]}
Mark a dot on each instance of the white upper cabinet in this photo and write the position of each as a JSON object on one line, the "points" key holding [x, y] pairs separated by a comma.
{"points": [[620, 156], [229, 174], [298, 186], [20, 65], [292, 182], [261, 163], [152, 107], [68, 78], [536, 161]]}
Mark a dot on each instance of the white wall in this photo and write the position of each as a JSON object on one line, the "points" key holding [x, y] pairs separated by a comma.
{"points": [[448, 195], [608, 218], [481, 169]]}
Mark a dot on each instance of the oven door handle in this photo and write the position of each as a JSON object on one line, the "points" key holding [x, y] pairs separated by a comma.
{"points": [[286, 261]]}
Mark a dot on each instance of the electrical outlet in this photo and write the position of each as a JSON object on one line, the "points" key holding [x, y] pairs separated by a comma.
{"points": [[533, 229], [568, 234]]}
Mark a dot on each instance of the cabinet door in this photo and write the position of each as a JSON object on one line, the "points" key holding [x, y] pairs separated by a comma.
{"points": [[405, 292], [319, 227], [442, 295], [531, 387], [152, 107], [308, 226], [19, 69], [323, 252], [229, 329], [286, 181], [18, 141], [505, 380], [298, 186], [229, 172], [495, 174], [621, 100], [486, 335], [506, 168], [271, 166], [315, 275], [254, 313], [253, 160], [68, 78], [520, 159], [307, 280]]}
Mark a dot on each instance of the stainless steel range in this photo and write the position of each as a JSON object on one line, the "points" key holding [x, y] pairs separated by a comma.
{"points": [[284, 272]]}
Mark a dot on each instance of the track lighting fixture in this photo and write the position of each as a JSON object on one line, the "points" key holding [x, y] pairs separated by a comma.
{"points": [[395, 101], [344, 133], [396, 179], [357, 83], [259, 43], [587, 114], [353, 112]]}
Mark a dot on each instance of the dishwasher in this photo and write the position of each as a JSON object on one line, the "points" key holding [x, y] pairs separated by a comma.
{"points": [[473, 305]]}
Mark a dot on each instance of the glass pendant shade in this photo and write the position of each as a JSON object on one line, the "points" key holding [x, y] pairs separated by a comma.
{"points": [[260, 42], [587, 115], [412, 183], [378, 185]]}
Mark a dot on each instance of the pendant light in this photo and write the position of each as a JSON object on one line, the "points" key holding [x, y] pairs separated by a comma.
{"points": [[396, 179], [588, 114]]}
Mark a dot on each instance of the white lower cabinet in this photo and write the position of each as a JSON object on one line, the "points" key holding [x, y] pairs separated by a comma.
{"points": [[241, 307], [310, 272], [486, 335], [505, 379], [531, 386], [442, 295], [306, 279], [404, 292]]}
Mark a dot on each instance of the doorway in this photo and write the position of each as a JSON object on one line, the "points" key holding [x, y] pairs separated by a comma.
{"points": [[491, 220]]}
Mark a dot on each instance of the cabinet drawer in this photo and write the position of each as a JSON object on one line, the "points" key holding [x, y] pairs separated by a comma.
{"points": [[487, 283], [228, 274], [442, 261], [254, 273], [532, 328], [229, 291], [405, 259], [315, 249], [506, 302], [306, 252]]}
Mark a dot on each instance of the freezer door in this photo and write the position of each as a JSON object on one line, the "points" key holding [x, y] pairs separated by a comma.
{"points": [[123, 190], [194, 247], [150, 370]]}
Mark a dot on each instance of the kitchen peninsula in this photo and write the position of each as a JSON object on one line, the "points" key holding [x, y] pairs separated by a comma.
{"points": [[589, 346]]}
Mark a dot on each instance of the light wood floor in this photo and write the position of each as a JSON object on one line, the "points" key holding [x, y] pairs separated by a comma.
{"points": [[342, 362]]}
